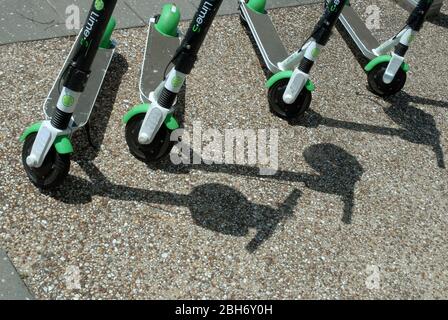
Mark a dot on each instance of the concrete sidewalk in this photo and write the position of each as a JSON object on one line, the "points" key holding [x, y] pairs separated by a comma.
{"points": [[24, 20], [11, 285]]}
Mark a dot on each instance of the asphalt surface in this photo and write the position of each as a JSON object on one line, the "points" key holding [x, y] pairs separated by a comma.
{"points": [[357, 209]]}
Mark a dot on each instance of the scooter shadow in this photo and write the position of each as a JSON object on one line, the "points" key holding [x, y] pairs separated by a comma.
{"points": [[213, 206], [440, 20], [338, 172], [223, 209], [90, 139], [416, 125]]}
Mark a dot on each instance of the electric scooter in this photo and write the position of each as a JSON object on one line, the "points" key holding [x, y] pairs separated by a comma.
{"points": [[290, 87], [162, 43], [149, 125], [46, 145], [386, 68]]}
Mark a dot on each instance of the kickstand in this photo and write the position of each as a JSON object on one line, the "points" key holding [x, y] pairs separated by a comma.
{"points": [[89, 137]]}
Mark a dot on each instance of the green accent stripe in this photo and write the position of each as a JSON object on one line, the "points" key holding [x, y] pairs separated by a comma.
{"points": [[287, 75], [63, 145], [105, 41], [170, 121], [277, 77], [31, 129], [141, 108], [310, 86], [383, 59]]}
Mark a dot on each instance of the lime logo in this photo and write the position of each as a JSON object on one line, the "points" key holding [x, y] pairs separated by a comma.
{"points": [[99, 5], [68, 101], [176, 82], [411, 38], [315, 53], [84, 42], [334, 5]]}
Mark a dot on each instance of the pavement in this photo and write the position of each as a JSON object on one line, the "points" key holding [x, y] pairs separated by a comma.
{"points": [[357, 209], [11, 285], [23, 20]]}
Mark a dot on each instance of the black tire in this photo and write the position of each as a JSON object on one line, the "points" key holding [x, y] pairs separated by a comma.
{"points": [[377, 85], [53, 171], [284, 110], [156, 150]]}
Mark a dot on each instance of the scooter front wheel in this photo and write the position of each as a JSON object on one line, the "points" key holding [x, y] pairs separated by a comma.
{"points": [[281, 108], [377, 85], [159, 148], [53, 170]]}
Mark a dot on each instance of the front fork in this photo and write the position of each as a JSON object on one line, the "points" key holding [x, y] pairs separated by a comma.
{"points": [[303, 60], [165, 96], [74, 83], [184, 60], [401, 42]]}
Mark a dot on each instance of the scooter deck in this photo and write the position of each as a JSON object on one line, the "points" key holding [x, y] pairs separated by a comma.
{"points": [[159, 52], [88, 98], [359, 32], [268, 41]]}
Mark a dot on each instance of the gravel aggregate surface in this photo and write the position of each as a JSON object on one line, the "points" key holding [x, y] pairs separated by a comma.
{"points": [[356, 210]]}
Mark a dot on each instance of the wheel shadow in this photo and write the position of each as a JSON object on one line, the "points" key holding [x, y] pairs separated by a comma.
{"points": [[223, 209], [416, 126]]}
